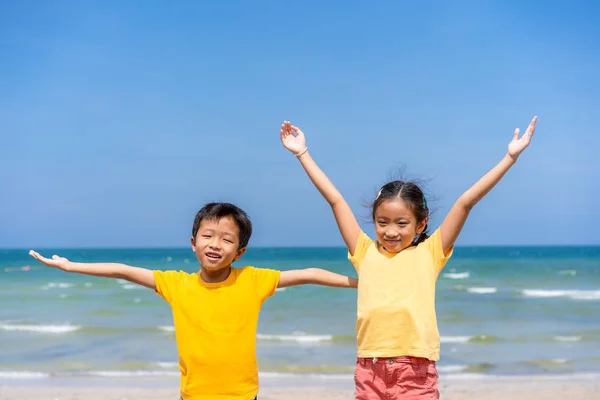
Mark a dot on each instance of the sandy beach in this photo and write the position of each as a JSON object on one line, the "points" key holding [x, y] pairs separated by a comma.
{"points": [[572, 387]]}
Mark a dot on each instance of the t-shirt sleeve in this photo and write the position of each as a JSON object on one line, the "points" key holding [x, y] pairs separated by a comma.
{"points": [[362, 244], [167, 283], [266, 281], [434, 246]]}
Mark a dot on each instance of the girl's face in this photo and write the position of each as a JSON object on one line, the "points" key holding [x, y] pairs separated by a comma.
{"points": [[396, 225]]}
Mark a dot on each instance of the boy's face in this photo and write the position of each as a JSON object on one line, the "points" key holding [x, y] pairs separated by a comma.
{"points": [[216, 243]]}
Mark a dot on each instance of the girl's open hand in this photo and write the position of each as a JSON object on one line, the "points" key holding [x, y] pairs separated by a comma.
{"points": [[292, 138], [54, 262], [516, 147]]}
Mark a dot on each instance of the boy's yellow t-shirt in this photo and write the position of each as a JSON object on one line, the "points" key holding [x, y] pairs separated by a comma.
{"points": [[396, 298], [215, 330]]}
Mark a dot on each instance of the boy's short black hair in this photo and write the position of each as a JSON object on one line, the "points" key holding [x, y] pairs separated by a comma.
{"points": [[216, 211]]}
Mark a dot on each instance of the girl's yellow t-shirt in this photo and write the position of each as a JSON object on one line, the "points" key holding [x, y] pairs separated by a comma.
{"points": [[396, 298]]}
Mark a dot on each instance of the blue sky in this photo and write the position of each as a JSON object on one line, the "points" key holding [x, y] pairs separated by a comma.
{"points": [[119, 120]]}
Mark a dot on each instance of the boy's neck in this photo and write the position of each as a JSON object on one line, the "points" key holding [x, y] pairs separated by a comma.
{"points": [[215, 276]]}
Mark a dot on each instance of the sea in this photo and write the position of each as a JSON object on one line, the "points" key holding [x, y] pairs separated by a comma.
{"points": [[501, 311]]}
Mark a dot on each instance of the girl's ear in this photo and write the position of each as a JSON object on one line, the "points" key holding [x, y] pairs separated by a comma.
{"points": [[421, 226]]}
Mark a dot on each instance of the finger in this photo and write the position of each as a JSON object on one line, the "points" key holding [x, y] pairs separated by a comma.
{"points": [[39, 257], [287, 128], [297, 130], [516, 134], [531, 127]]}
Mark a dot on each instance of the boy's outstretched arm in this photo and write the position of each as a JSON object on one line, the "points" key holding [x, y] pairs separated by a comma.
{"points": [[315, 276], [293, 139], [141, 276], [455, 220]]}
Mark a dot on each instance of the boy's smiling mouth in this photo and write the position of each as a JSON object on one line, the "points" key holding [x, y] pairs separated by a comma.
{"points": [[213, 256]]}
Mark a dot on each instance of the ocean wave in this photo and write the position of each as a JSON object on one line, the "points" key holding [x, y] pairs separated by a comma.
{"points": [[455, 339], [469, 339], [457, 275], [166, 328], [572, 294], [59, 285], [40, 328], [137, 373], [131, 286], [571, 272], [296, 375], [164, 364], [482, 290], [280, 289], [567, 338], [300, 338], [22, 375], [448, 369]]}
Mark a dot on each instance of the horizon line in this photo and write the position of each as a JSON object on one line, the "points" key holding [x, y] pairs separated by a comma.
{"points": [[283, 247]]}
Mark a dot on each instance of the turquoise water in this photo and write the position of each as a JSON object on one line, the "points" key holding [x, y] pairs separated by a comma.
{"points": [[501, 310]]}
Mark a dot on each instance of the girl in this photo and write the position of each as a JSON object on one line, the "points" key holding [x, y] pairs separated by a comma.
{"points": [[397, 335]]}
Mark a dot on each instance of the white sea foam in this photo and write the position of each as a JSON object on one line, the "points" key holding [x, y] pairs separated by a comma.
{"points": [[571, 272], [22, 375], [292, 375], [122, 281], [167, 328], [449, 369], [124, 374], [168, 365], [455, 339], [567, 338], [59, 285], [457, 275], [572, 294], [280, 289], [131, 286], [482, 290], [300, 338], [40, 328]]}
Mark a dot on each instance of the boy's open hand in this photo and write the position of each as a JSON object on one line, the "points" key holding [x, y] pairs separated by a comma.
{"points": [[54, 262], [516, 147], [292, 138]]}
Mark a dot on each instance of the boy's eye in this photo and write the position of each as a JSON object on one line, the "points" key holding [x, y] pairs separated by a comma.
{"points": [[206, 236], [228, 241], [382, 223]]}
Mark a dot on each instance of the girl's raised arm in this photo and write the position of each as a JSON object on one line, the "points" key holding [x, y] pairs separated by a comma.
{"points": [[455, 220], [293, 139]]}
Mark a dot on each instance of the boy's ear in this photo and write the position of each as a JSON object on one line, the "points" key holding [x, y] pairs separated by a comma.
{"points": [[193, 242], [239, 254], [422, 226]]}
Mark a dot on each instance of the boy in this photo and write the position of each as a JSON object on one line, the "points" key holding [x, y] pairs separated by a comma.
{"points": [[215, 311]]}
